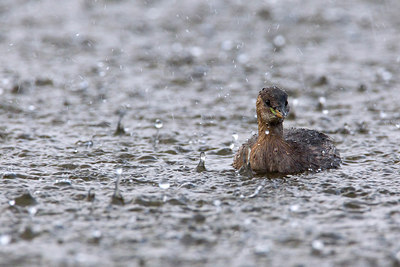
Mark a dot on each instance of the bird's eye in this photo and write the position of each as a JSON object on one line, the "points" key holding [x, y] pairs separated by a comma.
{"points": [[286, 103], [267, 103]]}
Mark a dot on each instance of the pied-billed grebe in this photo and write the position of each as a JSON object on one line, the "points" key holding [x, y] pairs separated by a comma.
{"points": [[290, 151]]}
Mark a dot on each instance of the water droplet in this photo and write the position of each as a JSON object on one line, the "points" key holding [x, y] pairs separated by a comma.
{"points": [[83, 85], [267, 132], [227, 45], [32, 210], [5, 240], [203, 156], [261, 250], [243, 58], [294, 208], [164, 184], [63, 182], [196, 51], [279, 41], [317, 245], [201, 166], [235, 136], [158, 124], [96, 234], [384, 75], [217, 202]]}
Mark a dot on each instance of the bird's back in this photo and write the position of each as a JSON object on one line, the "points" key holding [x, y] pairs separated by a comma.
{"points": [[314, 148]]}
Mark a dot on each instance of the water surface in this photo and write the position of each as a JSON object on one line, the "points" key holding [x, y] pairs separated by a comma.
{"points": [[183, 77]]}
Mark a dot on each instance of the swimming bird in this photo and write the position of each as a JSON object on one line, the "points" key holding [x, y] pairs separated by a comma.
{"points": [[275, 150]]}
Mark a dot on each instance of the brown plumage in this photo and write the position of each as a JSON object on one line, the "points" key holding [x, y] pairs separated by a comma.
{"points": [[290, 151]]}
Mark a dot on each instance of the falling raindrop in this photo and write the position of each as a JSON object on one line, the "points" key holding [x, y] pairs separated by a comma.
{"points": [[164, 184], [317, 246], [243, 59], [235, 136], [322, 100], [384, 75], [217, 202], [96, 235], [279, 41], [5, 240], [158, 124], [294, 208], [32, 210], [196, 51], [227, 45]]}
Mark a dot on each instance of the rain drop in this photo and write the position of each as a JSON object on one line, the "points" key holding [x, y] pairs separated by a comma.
{"points": [[294, 208], [117, 198], [243, 59], [217, 202], [279, 41], [158, 124], [32, 210], [235, 136], [164, 184], [317, 245], [227, 45], [201, 166], [203, 156], [5, 240]]}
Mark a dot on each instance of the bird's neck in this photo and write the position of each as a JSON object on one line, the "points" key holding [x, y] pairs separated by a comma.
{"points": [[270, 130]]}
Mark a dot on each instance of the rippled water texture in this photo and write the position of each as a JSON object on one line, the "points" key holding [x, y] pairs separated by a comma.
{"points": [[94, 92]]}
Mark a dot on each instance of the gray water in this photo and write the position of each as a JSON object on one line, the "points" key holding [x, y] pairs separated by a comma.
{"points": [[183, 77]]}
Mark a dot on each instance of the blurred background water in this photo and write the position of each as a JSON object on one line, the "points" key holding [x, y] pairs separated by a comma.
{"points": [[106, 106]]}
